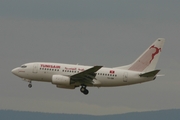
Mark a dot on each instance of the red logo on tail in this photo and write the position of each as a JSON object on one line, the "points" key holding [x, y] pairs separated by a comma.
{"points": [[146, 59], [155, 53]]}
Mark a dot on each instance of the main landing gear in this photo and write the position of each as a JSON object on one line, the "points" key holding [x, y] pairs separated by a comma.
{"points": [[84, 90]]}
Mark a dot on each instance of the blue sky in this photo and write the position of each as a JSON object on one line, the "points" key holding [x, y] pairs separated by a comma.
{"points": [[109, 33]]}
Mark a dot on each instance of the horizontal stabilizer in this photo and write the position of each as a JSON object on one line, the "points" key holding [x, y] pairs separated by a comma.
{"points": [[150, 74]]}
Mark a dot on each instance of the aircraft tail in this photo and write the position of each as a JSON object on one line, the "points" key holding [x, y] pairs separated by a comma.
{"points": [[148, 60]]}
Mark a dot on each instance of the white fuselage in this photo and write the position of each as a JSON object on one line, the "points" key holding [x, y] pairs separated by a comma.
{"points": [[70, 76], [105, 77]]}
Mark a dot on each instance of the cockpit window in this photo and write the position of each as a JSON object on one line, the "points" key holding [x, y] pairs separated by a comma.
{"points": [[23, 66]]}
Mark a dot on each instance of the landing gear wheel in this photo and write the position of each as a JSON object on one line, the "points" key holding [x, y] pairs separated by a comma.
{"points": [[30, 85], [84, 90]]}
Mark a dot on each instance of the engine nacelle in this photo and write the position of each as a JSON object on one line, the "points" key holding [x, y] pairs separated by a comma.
{"points": [[60, 80], [66, 87]]}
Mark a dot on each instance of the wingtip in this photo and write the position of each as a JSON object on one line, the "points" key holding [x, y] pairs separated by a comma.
{"points": [[98, 66]]}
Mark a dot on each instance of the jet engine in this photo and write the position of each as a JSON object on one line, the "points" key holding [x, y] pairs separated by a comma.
{"points": [[66, 87], [60, 80]]}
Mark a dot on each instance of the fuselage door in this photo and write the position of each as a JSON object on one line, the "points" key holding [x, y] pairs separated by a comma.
{"points": [[125, 77], [35, 68]]}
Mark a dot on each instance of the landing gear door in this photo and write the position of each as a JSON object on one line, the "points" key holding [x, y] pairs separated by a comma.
{"points": [[35, 68], [125, 77]]}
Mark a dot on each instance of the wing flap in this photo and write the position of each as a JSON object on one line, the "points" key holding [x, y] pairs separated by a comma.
{"points": [[87, 76], [150, 74]]}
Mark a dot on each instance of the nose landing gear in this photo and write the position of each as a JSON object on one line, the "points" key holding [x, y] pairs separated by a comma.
{"points": [[29, 81], [84, 90], [30, 84]]}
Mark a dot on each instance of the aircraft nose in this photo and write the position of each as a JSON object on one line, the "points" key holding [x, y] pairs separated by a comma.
{"points": [[14, 71]]}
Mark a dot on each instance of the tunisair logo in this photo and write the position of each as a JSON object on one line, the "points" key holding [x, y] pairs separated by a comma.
{"points": [[146, 59], [157, 50], [49, 66]]}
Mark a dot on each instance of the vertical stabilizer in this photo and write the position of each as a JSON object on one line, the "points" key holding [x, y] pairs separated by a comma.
{"points": [[148, 60]]}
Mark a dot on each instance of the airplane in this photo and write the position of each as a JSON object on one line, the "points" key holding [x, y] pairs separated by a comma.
{"points": [[70, 76]]}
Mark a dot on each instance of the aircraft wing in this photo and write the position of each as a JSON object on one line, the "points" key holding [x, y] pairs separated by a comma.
{"points": [[86, 77], [149, 74]]}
